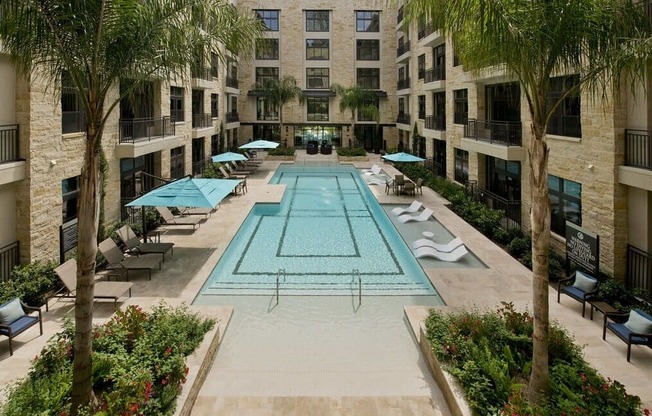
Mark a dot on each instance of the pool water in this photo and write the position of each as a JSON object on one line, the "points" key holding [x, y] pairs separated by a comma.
{"points": [[327, 231]]}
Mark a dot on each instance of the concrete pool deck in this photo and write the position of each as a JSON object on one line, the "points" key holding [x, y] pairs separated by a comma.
{"points": [[196, 253]]}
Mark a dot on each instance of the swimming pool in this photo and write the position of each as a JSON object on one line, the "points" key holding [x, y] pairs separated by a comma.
{"points": [[327, 231]]}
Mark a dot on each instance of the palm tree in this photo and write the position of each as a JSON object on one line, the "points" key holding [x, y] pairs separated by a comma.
{"points": [[277, 93], [101, 44], [534, 41], [359, 100]]}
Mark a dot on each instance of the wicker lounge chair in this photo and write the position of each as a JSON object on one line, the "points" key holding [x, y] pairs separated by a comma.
{"points": [[67, 273], [135, 246], [117, 259], [177, 220]]}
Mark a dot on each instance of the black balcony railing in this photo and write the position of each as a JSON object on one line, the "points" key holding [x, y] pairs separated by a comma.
{"points": [[437, 168], [9, 258], [437, 73], [403, 118], [399, 15], [201, 73], [403, 48], [507, 133], [201, 121], [232, 117], [435, 122], [638, 149], [9, 144], [232, 82], [425, 30], [402, 84], [271, 116], [145, 129], [512, 209], [639, 269]]}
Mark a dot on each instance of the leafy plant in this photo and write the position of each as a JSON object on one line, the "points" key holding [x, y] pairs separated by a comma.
{"points": [[351, 151], [282, 151], [30, 283]]}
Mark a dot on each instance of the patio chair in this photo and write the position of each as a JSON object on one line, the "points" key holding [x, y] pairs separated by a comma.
{"points": [[414, 207], [583, 289], [453, 256], [135, 246], [227, 175], [16, 318], [419, 186], [424, 216], [170, 219], [390, 185], [637, 330], [399, 180], [409, 189], [67, 273], [444, 248], [117, 259]]}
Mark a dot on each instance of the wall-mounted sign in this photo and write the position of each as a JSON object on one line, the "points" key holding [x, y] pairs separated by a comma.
{"points": [[582, 248]]}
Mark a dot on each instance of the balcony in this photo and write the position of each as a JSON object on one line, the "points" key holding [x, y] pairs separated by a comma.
{"points": [[501, 139], [402, 84], [12, 168], [202, 121], [403, 118], [201, 73], [141, 136], [425, 30], [435, 122], [511, 209], [232, 117], [637, 170], [270, 116], [232, 82], [639, 269], [437, 73], [403, 48]]}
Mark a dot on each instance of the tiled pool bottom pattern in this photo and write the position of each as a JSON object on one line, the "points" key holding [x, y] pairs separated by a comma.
{"points": [[327, 225]]}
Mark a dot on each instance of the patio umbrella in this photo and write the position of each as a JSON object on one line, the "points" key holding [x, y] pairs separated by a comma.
{"points": [[260, 144], [402, 157], [228, 157]]}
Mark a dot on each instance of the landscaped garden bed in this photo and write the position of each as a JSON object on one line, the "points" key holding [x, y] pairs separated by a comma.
{"points": [[352, 154]]}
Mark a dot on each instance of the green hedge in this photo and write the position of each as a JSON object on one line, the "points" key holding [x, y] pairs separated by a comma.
{"points": [[351, 151], [30, 283], [281, 151]]}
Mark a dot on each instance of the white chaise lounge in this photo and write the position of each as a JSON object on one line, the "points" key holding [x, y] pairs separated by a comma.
{"points": [[424, 216], [453, 256], [414, 207], [444, 248]]}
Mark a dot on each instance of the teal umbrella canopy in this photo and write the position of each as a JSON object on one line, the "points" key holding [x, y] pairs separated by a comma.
{"points": [[260, 144], [228, 157], [187, 192], [402, 157]]}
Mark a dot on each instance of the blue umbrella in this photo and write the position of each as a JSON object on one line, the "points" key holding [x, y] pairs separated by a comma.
{"points": [[402, 157], [260, 144], [228, 157], [187, 192]]}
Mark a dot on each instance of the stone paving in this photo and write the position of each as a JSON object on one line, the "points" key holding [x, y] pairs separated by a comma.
{"points": [[197, 252]]}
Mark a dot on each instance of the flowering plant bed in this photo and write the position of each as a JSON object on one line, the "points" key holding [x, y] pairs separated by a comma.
{"points": [[138, 365]]}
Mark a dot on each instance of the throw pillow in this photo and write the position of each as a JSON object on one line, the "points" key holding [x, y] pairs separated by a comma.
{"points": [[638, 323], [584, 282], [11, 311]]}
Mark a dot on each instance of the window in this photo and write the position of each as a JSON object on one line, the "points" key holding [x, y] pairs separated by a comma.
{"points": [[215, 144], [316, 21], [421, 66], [269, 19], [73, 119], [215, 99], [565, 120], [461, 165], [439, 110], [422, 107], [504, 178], [70, 197], [368, 50], [265, 110], [401, 105], [176, 104], [456, 57], [317, 49], [461, 106], [367, 117], [317, 108], [565, 203], [198, 156], [267, 49], [177, 160], [367, 21], [317, 78], [369, 78], [439, 59], [215, 68], [265, 74]]}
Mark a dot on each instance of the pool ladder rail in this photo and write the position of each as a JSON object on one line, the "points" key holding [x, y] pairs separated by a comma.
{"points": [[278, 282], [355, 273]]}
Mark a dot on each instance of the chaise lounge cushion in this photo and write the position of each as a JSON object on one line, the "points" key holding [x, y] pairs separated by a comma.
{"points": [[638, 323], [585, 283], [11, 312]]}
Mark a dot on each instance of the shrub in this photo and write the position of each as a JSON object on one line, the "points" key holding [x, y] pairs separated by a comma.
{"points": [[351, 151], [211, 171], [519, 246], [30, 283], [281, 151]]}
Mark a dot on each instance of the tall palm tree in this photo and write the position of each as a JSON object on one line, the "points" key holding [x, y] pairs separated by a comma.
{"points": [[278, 92], [101, 44], [535, 41], [359, 101]]}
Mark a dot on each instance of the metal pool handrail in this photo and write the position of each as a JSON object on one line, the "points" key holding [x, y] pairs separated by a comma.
{"points": [[356, 272], [278, 278]]}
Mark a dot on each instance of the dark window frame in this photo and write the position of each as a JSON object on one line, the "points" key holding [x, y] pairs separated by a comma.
{"points": [[313, 19], [367, 50], [461, 165], [314, 104], [73, 117], [215, 105], [321, 74], [315, 49], [177, 162], [267, 49], [461, 106], [177, 104], [566, 120], [504, 178], [421, 66], [70, 191], [421, 100], [368, 78], [559, 217], [367, 21], [270, 19], [266, 73]]}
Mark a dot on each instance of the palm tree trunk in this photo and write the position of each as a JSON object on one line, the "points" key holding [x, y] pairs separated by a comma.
{"points": [[540, 224], [82, 388], [280, 125]]}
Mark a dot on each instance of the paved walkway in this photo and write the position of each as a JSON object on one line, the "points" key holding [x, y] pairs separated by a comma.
{"points": [[197, 252]]}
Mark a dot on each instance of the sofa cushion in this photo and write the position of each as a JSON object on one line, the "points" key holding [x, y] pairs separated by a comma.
{"points": [[637, 323], [11, 311], [584, 282]]}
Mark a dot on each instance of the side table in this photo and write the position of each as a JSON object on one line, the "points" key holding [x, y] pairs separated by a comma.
{"points": [[428, 234], [601, 306]]}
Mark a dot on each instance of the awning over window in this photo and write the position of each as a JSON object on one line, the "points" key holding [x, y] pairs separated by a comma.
{"points": [[318, 93], [380, 93]]}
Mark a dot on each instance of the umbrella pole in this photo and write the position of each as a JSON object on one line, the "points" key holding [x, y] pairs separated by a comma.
{"points": [[144, 223]]}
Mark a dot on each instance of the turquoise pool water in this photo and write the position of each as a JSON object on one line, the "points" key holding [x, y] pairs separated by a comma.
{"points": [[327, 229]]}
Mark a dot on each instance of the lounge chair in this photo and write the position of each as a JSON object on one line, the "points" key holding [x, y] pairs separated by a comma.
{"points": [[637, 330], [235, 169], [177, 220], [375, 170], [206, 212], [444, 248], [376, 181], [117, 259], [67, 273], [134, 246], [583, 289], [227, 175], [414, 207], [15, 319], [424, 216], [453, 256]]}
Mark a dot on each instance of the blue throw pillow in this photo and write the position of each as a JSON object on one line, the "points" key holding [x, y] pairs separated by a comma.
{"points": [[11, 311], [584, 282]]}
